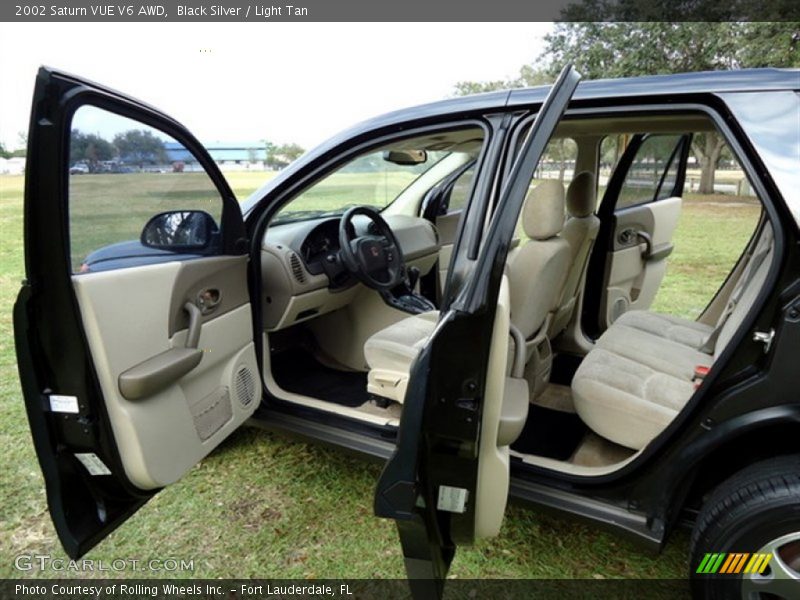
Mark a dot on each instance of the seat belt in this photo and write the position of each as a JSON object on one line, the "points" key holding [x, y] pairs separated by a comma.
{"points": [[752, 268]]}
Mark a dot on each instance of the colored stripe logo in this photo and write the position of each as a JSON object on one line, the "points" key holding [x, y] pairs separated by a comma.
{"points": [[733, 563]]}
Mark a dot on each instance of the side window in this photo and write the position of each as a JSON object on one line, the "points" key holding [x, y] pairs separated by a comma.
{"points": [[558, 161], [720, 213], [460, 191], [136, 195], [653, 172]]}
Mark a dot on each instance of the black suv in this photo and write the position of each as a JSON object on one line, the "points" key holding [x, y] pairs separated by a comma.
{"points": [[463, 289]]}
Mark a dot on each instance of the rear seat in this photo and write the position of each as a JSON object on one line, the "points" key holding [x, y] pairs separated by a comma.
{"points": [[639, 375]]}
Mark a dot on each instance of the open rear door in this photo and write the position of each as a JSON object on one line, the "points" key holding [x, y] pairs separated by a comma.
{"points": [[448, 479], [133, 328], [639, 214]]}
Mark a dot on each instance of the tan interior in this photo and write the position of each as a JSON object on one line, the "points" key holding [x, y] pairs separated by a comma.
{"points": [[447, 227], [294, 295], [632, 281], [502, 402], [387, 346], [640, 374], [537, 271], [580, 232], [162, 435]]}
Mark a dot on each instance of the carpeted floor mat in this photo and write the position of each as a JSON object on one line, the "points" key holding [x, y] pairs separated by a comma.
{"points": [[297, 371], [550, 433]]}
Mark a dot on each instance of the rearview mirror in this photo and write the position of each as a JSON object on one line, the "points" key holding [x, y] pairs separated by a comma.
{"points": [[405, 157], [180, 230]]}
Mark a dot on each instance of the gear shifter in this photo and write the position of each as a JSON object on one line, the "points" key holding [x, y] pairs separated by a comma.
{"points": [[405, 298], [413, 278]]}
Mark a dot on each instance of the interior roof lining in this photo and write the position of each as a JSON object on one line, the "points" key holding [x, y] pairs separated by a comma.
{"points": [[444, 140], [580, 126]]}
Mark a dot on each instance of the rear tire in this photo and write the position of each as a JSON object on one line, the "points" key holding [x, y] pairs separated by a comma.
{"points": [[755, 511]]}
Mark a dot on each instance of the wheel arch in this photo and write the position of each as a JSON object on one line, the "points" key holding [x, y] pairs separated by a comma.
{"points": [[767, 433]]}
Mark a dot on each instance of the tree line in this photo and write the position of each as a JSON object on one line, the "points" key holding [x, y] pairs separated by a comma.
{"points": [[141, 147], [615, 44], [136, 146]]}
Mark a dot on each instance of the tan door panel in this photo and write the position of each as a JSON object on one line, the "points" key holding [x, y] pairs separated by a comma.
{"points": [[227, 274], [447, 226], [127, 315], [505, 410], [635, 268]]}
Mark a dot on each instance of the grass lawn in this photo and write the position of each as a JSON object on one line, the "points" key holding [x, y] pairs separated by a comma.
{"points": [[264, 506]]}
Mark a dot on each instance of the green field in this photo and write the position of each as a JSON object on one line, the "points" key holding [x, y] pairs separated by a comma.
{"points": [[264, 506]]}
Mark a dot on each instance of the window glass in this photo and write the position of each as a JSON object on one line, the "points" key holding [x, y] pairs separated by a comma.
{"points": [[374, 180], [719, 214], [642, 180], [460, 192], [558, 161], [122, 174]]}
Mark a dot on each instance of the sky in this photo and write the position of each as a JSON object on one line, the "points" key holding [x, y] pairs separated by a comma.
{"points": [[285, 82]]}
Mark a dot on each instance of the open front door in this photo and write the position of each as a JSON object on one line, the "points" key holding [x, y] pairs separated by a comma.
{"points": [[133, 328], [448, 479]]}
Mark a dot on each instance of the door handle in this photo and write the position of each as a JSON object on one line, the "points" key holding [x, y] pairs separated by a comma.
{"points": [[641, 236], [630, 237], [208, 300], [195, 324]]}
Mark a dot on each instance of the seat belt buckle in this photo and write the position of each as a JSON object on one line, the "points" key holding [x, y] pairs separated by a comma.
{"points": [[700, 372]]}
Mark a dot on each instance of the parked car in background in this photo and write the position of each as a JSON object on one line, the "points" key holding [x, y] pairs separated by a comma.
{"points": [[409, 291]]}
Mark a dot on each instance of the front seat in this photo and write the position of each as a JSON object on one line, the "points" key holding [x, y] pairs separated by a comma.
{"points": [[580, 232], [390, 352], [537, 271]]}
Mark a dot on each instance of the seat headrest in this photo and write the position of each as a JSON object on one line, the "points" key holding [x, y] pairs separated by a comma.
{"points": [[543, 211], [581, 195]]}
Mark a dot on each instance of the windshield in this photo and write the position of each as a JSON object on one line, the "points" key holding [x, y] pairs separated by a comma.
{"points": [[372, 180]]}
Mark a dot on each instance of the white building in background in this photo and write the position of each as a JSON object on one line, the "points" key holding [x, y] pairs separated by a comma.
{"points": [[12, 166], [229, 156]]}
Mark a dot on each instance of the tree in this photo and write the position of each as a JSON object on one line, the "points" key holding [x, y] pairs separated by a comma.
{"points": [[278, 157], [3, 152], [467, 88], [528, 76], [291, 152], [90, 148], [622, 38], [140, 147], [270, 159]]}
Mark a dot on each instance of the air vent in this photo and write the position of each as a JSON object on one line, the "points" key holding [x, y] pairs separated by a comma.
{"points": [[297, 268], [245, 386]]}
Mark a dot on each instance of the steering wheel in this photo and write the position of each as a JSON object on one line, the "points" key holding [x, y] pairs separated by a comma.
{"points": [[375, 259]]}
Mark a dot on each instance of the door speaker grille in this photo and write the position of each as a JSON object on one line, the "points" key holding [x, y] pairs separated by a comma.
{"points": [[245, 386], [297, 268]]}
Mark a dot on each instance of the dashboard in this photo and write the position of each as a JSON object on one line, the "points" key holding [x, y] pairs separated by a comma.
{"points": [[319, 245], [302, 276]]}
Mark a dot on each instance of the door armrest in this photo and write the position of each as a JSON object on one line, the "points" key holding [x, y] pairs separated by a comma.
{"points": [[514, 412], [157, 372]]}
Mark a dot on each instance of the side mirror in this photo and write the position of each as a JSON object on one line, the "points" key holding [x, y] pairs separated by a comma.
{"points": [[179, 231], [405, 157]]}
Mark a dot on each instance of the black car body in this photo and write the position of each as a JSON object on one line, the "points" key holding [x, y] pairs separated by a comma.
{"points": [[744, 411]]}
